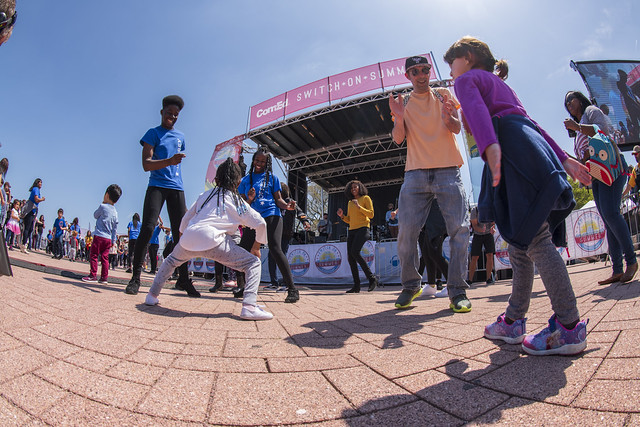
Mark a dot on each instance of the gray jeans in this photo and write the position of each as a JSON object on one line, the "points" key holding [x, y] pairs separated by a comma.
{"points": [[228, 254], [419, 189], [553, 273]]}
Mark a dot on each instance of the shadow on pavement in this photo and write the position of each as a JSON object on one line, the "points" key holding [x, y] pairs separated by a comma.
{"points": [[460, 395], [392, 324]]}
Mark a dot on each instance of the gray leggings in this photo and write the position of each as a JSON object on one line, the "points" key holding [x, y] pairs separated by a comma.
{"points": [[228, 253], [553, 272]]}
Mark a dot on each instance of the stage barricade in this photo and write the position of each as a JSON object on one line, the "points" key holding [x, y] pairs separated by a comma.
{"points": [[326, 263]]}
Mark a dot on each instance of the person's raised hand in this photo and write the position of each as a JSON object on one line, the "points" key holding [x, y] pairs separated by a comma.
{"points": [[396, 104], [448, 107]]}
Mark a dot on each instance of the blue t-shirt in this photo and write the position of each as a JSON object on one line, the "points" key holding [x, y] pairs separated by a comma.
{"points": [[134, 231], [155, 236], [35, 191], [165, 143], [264, 203], [106, 222], [58, 224]]}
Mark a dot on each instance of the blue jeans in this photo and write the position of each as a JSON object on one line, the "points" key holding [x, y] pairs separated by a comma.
{"points": [[419, 189], [618, 236]]}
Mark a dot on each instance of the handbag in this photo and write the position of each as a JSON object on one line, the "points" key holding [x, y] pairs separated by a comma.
{"points": [[604, 161], [28, 207]]}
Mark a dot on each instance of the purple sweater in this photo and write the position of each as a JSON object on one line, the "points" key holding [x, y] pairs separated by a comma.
{"points": [[484, 95]]}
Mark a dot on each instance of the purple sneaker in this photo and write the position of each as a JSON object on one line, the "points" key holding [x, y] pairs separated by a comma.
{"points": [[511, 334], [556, 339]]}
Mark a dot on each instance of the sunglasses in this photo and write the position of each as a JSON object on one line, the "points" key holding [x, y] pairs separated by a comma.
{"points": [[569, 100], [422, 70], [7, 22]]}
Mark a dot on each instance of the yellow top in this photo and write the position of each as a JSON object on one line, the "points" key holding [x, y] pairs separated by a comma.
{"points": [[429, 143], [358, 217], [633, 178]]}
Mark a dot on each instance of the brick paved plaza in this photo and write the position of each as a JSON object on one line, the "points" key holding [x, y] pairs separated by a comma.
{"points": [[73, 353]]}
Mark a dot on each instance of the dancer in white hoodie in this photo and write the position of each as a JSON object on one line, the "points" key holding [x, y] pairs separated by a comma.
{"points": [[207, 231]]}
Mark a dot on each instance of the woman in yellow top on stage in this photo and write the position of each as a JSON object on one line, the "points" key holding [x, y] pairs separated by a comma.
{"points": [[359, 214]]}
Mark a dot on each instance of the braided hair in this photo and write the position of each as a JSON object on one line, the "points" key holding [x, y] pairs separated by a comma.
{"points": [[227, 178], [267, 169]]}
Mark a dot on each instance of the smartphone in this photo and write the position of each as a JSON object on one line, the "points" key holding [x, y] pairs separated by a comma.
{"points": [[572, 133]]}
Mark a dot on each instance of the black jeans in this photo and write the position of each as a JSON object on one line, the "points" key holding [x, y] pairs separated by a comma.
{"points": [[153, 202], [355, 241], [57, 247], [274, 241], [28, 220]]}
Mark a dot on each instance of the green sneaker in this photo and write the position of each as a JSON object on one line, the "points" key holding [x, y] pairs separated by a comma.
{"points": [[460, 304], [406, 296]]}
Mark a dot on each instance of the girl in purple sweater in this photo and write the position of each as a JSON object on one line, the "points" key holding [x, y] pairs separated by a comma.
{"points": [[525, 191]]}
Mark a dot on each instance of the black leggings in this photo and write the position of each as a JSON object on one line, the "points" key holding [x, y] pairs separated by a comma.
{"points": [[355, 241], [153, 202], [132, 248], [28, 222], [153, 256], [274, 241]]}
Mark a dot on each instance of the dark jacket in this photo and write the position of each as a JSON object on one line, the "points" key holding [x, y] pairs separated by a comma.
{"points": [[533, 188]]}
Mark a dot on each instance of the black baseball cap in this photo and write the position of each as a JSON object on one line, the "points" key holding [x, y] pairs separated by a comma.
{"points": [[413, 61]]}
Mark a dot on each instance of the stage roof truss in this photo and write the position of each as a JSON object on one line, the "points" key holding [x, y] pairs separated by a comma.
{"points": [[339, 143], [347, 150], [358, 167]]}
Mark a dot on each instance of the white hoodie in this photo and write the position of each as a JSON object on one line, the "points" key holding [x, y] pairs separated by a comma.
{"points": [[204, 227]]}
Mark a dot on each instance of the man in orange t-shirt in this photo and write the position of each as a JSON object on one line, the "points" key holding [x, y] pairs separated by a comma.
{"points": [[428, 121]]}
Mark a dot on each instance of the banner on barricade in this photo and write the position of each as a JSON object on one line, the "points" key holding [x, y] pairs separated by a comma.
{"points": [[586, 237]]}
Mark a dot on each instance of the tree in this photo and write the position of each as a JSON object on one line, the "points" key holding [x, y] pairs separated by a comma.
{"points": [[581, 193]]}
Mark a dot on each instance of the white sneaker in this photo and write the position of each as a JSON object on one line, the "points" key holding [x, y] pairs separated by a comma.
{"points": [[151, 300], [443, 293], [252, 312], [428, 290], [282, 288]]}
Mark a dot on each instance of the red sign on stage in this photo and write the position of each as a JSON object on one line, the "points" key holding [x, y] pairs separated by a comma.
{"points": [[230, 148]]}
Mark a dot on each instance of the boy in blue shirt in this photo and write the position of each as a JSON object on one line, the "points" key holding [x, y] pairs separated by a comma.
{"points": [[59, 225], [104, 235], [162, 152]]}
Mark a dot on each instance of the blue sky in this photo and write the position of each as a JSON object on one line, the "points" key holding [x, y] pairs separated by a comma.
{"points": [[83, 80]]}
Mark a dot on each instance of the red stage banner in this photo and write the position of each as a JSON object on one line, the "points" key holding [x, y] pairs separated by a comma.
{"points": [[381, 76], [230, 148]]}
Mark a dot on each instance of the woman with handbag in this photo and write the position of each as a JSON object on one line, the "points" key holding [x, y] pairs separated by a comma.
{"points": [[607, 198]]}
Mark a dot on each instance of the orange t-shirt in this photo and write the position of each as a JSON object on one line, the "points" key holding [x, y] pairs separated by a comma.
{"points": [[429, 143]]}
